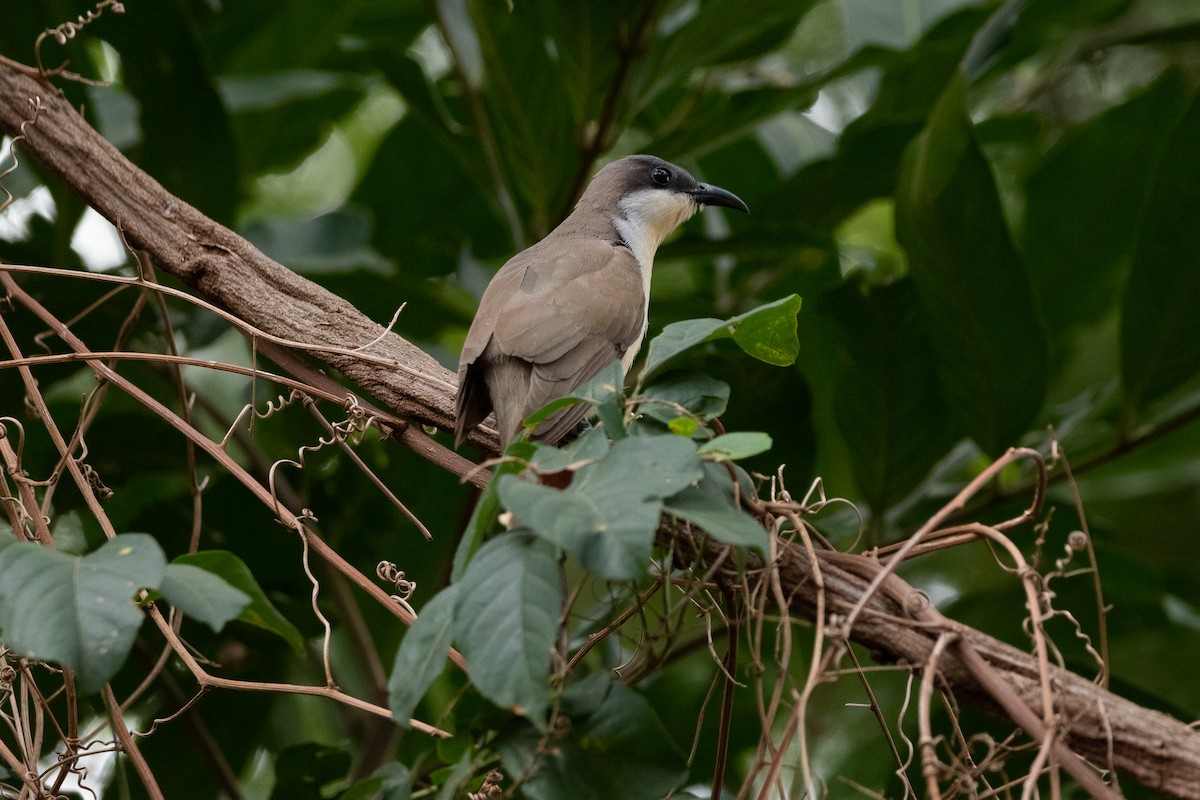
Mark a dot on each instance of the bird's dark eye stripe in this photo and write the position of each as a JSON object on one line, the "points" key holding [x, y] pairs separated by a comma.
{"points": [[660, 175]]}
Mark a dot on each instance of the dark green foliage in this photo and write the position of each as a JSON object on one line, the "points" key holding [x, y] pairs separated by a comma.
{"points": [[988, 208]]}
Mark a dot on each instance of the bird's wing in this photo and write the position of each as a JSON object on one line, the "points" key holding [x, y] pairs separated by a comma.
{"points": [[473, 402], [566, 310], [571, 300]]}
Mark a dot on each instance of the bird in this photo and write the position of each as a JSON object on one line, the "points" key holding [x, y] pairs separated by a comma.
{"points": [[562, 310]]}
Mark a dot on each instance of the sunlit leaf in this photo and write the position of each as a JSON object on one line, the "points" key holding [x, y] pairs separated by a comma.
{"points": [[768, 333]]}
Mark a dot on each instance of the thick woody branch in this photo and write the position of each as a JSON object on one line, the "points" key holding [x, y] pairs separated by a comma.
{"points": [[225, 267], [896, 624]]}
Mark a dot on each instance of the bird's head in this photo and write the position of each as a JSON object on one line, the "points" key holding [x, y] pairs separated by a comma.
{"points": [[648, 198]]}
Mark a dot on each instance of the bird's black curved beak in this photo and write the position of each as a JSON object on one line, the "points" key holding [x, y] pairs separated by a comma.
{"points": [[716, 196]]}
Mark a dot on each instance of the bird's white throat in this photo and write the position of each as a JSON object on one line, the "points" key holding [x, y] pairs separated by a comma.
{"points": [[648, 218]]}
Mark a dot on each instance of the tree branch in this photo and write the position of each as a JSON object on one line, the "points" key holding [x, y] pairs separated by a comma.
{"points": [[894, 623]]}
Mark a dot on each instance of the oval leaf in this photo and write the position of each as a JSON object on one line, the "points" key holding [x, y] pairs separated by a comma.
{"points": [[78, 611], [506, 620], [1159, 322], [733, 446], [422, 654], [986, 335], [609, 513], [259, 612], [201, 594], [768, 333]]}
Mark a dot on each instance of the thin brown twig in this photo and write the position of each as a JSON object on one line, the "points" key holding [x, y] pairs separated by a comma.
{"points": [[926, 742], [235, 469], [207, 679], [129, 746]]}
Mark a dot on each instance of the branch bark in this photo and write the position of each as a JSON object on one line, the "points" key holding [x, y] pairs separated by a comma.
{"points": [[1158, 751]]}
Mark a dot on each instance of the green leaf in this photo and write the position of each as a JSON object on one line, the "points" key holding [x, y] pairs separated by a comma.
{"points": [[887, 402], [259, 612], [1077, 266], [609, 513], [1160, 326], [302, 771], [604, 391], [392, 782], [769, 335], [487, 509], [616, 748], [203, 595], [735, 446], [78, 611], [591, 446], [715, 513], [683, 426], [985, 332], [422, 654], [697, 393], [506, 620]]}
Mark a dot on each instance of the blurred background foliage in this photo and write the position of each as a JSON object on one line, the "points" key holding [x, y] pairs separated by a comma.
{"points": [[989, 209]]}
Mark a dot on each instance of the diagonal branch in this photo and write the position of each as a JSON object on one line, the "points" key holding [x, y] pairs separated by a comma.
{"points": [[1161, 752], [226, 268]]}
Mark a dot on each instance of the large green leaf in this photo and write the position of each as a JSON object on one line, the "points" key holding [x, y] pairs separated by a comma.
{"points": [[1160, 326], [609, 513], [977, 308], [736, 446], [529, 123], [888, 404], [259, 611], [78, 611], [506, 620], [422, 654], [684, 393], [768, 333], [1087, 200]]}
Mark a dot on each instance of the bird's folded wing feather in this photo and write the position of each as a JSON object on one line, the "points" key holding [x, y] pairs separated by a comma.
{"points": [[568, 311], [591, 290]]}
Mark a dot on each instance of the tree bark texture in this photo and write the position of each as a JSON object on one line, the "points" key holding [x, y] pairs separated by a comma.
{"points": [[1155, 749]]}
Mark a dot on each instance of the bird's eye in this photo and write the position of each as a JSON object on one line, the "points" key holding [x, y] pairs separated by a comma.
{"points": [[660, 175]]}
